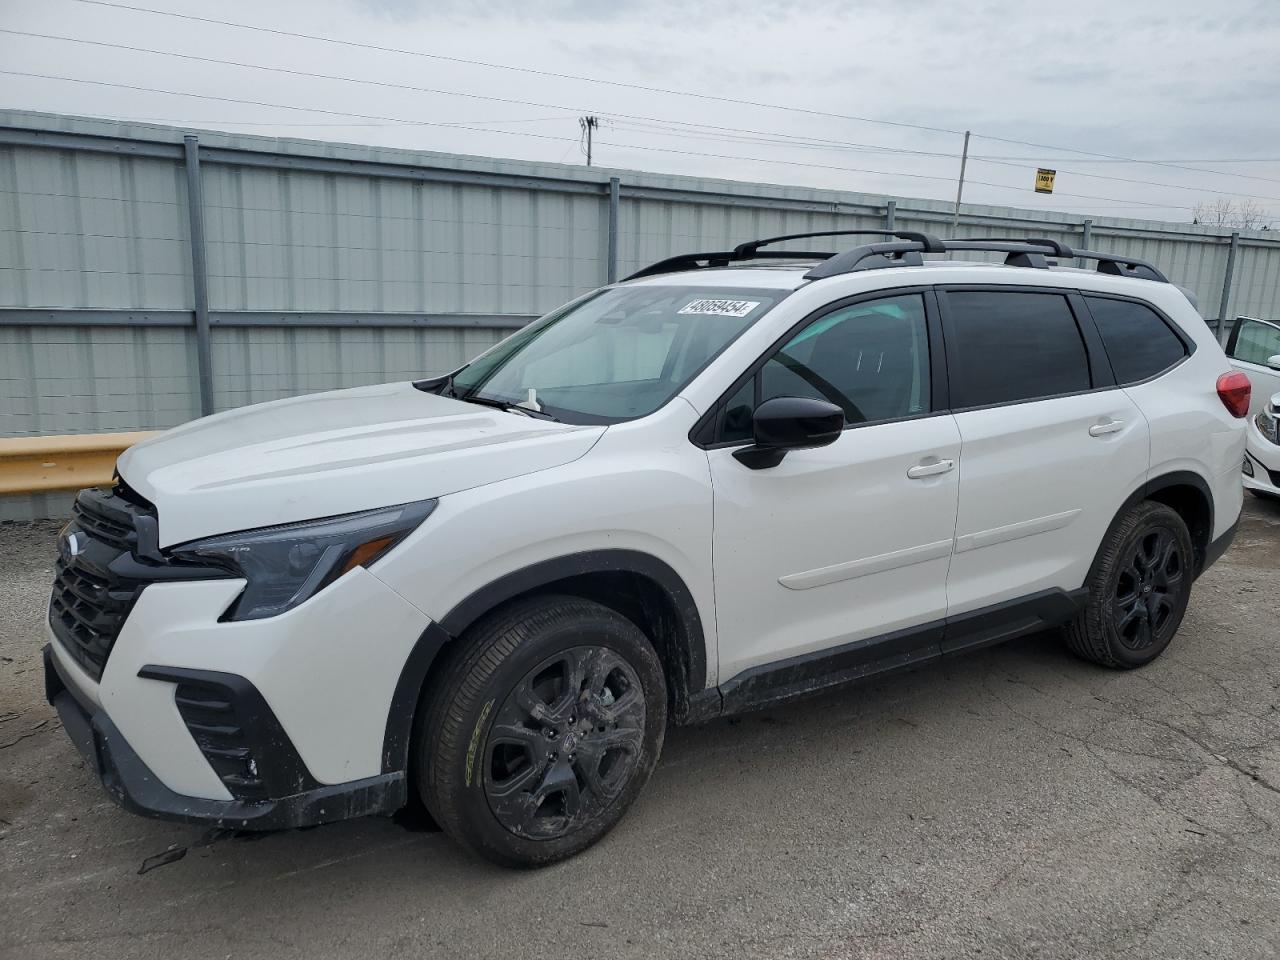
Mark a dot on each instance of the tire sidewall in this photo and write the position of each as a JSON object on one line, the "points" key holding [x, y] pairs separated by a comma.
{"points": [[591, 626]]}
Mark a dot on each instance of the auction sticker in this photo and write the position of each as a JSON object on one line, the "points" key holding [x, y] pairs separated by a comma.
{"points": [[720, 308]]}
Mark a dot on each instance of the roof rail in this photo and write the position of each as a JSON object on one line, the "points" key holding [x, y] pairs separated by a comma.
{"points": [[906, 250], [745, 251], [1020, 253], [751, 251]]}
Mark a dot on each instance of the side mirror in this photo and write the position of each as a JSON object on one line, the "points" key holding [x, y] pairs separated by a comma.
{"points": [[790, 423], [1274, 362]]}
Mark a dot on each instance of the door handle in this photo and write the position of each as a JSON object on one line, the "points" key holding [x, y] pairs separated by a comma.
{"points": [[933, 469], [1102, 429]]}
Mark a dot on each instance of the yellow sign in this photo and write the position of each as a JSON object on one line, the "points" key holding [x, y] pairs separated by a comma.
{"points": [[1044, 180]]}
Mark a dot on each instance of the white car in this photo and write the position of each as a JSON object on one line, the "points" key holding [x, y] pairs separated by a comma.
{"points": [[1254, 348], [734, 479]]}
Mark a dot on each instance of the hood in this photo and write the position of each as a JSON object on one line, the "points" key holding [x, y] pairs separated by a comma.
{"points": [[332, 453]]}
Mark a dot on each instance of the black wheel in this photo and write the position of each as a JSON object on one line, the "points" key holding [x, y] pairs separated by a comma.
{"points": [[1138, 589], [541, 730]]}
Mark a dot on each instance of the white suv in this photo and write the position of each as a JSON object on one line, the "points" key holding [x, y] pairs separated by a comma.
{"points": [[733, 479]]}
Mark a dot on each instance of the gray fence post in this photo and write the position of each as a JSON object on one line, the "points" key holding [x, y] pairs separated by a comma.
{"points": [[890, 215], [199, 272], [615, 185], [1086, 238], [1226, 285]]}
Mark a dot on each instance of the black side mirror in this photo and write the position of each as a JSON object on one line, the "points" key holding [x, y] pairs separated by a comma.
{"points": [[790, 423]]}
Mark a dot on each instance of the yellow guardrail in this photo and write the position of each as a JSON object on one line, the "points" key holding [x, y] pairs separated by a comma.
{"points": [[42, 464]]}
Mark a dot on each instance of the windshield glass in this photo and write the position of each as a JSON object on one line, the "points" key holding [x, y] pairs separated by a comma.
{"points": [[615, 355]]}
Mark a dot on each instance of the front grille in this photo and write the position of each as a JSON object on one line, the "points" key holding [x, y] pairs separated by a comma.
{"points": [[210, 715], [91, 598]]}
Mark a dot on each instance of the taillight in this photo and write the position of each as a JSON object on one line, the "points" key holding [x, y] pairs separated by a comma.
{"points": [[1234, 390]]}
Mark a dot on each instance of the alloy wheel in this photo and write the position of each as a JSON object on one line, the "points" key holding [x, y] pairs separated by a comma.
{"points": [[1148, 589], [564, 743]]}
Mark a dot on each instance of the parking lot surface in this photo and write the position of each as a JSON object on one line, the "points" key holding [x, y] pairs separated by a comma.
{"points": [[1012, 803]]}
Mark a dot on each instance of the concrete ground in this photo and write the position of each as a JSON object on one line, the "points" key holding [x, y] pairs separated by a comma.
{"points": [[1015, 803]]}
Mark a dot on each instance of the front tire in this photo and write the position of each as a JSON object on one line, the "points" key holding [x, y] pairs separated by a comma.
{"points": [[1138, 589], [541, 732]]}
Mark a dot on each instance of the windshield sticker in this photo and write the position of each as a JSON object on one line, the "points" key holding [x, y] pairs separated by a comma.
{"points": [[720, 308]]}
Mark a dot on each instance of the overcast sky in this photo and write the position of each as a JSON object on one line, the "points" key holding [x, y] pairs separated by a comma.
{"points": [[1183, 81]]}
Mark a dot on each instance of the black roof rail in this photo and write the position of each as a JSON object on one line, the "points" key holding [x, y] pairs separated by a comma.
{"points": [[1019, 253], [699, 261], [907, 250], [745, 251], [906, 253], [751, 251]]}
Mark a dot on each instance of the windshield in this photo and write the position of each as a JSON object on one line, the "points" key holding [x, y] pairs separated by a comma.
{"points": [[616, 355]]}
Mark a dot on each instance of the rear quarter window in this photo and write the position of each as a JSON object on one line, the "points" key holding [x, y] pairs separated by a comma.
{"points": [[1138, 341]]}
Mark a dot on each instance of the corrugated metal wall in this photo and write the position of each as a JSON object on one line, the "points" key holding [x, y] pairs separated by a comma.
{"points": [[334, 265]]}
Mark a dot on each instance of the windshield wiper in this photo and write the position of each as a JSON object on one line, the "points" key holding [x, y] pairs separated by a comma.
{"points": [[506, 405]]}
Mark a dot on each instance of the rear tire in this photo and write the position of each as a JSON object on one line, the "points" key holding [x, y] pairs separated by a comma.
{"points": [[1138, 589], [542, 730]]}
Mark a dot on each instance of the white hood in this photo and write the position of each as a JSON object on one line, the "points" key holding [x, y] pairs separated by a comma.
{"points": [[332, 453]]}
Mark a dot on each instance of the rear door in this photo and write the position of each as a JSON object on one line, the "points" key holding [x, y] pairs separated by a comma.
{"points": [[1253, 343], [1050, 446]]}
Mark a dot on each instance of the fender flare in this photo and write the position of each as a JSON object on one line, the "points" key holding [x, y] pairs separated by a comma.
{"points": [[1176, 478], [691, 671]]}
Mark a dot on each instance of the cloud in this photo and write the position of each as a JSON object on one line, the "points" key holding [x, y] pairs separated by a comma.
{"points": [[1152, 78]]}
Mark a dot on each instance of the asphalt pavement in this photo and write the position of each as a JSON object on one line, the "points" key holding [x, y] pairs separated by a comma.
{"points": [[1012, 803]]}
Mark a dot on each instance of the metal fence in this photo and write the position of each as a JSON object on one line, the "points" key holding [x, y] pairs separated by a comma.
{"points": [[149, 274]]}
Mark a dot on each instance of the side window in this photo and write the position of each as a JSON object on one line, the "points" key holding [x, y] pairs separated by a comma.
{"points": [[1138, 343], [870, 359], [1011, 346], [1256, 342]]}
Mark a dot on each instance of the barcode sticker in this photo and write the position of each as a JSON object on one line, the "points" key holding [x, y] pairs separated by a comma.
{"points": [[720, 308]]}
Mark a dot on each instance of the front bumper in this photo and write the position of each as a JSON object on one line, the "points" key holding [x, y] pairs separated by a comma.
{"points": [[131, 784]]}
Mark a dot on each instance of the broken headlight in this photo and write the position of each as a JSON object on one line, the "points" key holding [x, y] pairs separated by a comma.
{"points": [[285, 565]]}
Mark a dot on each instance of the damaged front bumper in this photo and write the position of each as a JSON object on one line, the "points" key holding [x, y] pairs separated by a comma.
{"points": [[132, 785]]}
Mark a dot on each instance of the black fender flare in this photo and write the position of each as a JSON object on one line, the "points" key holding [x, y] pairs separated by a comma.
{"points": [[1176, 478], [692, 671]]}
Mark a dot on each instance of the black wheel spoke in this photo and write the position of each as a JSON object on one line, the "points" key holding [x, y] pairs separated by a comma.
{"points": [[1147, 589], [565, 742]]}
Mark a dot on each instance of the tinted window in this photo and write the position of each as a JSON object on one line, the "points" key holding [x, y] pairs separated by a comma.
{"points": [[870, 359], [1013, 346], [1256, 342], [1139, 344]]}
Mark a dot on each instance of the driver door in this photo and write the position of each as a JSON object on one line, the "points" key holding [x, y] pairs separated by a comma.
{"points": [[845, 546]]}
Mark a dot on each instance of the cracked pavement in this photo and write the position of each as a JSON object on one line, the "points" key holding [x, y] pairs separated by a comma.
{"points": [[1012, 803]]}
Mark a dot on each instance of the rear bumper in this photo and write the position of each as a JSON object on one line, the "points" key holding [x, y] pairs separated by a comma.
{"points": [[131, 784]]}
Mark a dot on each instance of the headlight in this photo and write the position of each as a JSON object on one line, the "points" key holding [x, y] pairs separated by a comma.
{"points": [[1267, 426], [285, 565]]}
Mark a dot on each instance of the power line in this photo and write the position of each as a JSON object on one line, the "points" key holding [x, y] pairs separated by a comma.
{"points": [[646, 88], [539, 136], [1026, 164], [437, 90], [742, 133], [1105, 156], [503, 66]]}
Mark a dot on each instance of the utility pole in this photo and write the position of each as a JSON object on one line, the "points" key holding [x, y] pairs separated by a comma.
{"points": [[964, 160], [588, 124]]}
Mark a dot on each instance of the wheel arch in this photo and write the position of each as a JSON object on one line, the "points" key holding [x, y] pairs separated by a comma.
{"points": [[637, 585], [1186, 493]]}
